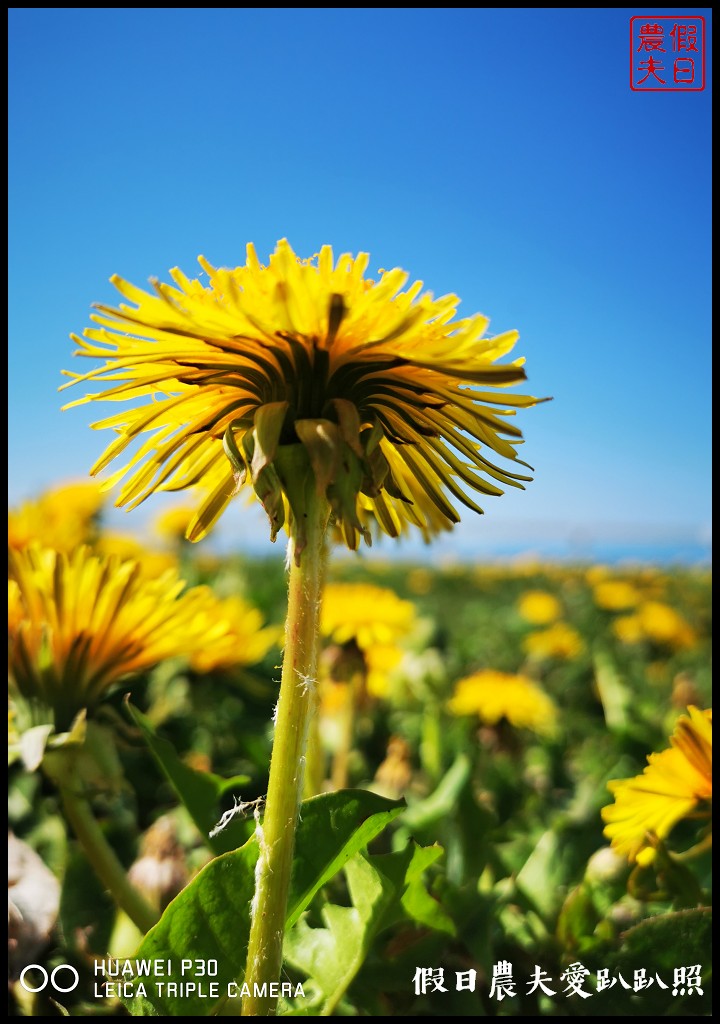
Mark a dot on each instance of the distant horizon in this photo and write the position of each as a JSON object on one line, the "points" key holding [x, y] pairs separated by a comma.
{"points": [[243, 530]]}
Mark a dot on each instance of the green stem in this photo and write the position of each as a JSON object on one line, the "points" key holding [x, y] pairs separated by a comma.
{"points": [[431, 743], [276, 835], [315, 754], [103, 860], [339, 774], [695, 851]]}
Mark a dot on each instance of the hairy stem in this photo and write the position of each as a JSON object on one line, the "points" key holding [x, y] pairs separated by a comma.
{"points": [[276, 835]]}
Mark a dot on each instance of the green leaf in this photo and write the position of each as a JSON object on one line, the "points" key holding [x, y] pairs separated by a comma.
{"points": [[539, 877], [210, 919], [331, 831], [332, 956], [406, 869], [61, 1009], [612, 691], [381, 888], [577, 919], [442, 801], [348, 419], [233, 453], [200, 792]]}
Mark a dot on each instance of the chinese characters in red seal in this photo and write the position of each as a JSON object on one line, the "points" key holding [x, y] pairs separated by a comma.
{"points": [[667, 53]]}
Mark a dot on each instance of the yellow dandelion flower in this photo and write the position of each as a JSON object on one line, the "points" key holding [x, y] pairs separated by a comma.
{"points": [[369, 615], [628, 629], [16, 610], [333, 697], [367, 623], [663, 625], [394, 402], [615, 595], [495, 695], [61, 518], [240, 637], [172, 524], [674, 784], [539, 607], [127, 547], [559, 641], [88, 621], [381, 662]]}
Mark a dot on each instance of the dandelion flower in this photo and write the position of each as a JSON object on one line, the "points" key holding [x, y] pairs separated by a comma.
{"points": [[397, 405], [495, 695], [244, 640], [628, 629], [615, 595], [61, 518], [675, 783], [330, 393], [368, 624], [539, 608], [81, 622], [172, 524], [365, 613], [663, 625], [127, 547], [559, 641]]}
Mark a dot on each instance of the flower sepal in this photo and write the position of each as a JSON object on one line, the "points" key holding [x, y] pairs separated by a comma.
{"points": [[660, 874], [32, 741], [299, 487]]}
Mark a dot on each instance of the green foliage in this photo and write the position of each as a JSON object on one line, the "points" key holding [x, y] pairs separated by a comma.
{"points": [[200, 792], [495, 854], [210, 920], [382, 890]]}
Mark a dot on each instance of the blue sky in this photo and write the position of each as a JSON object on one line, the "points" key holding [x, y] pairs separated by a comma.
{"points": [[495, 153]]}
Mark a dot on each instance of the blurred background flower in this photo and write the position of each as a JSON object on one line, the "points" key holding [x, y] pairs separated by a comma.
{"points": [[560, 641], [61, 517], [236, 635], [366, 625], [78, 623], [539, 608], [615, 595], [494, 696]]}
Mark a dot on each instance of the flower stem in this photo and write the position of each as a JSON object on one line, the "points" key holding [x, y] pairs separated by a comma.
{"points": [[340, 765], [431, 743], [103, 860], [276, 835]]}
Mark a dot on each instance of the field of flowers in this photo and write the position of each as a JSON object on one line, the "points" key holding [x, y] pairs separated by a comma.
{"points": [[459, 852]]}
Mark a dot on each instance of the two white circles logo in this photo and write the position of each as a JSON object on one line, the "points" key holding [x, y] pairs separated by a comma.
{"points": [[49, 978]]}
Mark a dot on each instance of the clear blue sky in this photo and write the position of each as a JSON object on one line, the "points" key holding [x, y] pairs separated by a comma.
{"points": [[495, 153]]}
